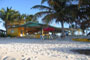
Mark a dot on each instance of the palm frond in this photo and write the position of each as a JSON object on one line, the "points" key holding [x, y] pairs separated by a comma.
{"points": [[50, 17], [42, 13], [41, 7], [43, 1]]}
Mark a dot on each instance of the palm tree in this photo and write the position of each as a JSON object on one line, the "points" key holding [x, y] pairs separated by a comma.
{"points": [[8, 15], [31, 18], [83, 15], [57, 10], [27, 18], [80, 14]]}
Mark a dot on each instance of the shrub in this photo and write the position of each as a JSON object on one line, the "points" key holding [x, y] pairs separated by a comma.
{"points": [[11, 35], [2, 35]]}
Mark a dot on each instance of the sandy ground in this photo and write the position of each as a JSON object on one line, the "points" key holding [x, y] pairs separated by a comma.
{"points": [[36, 49]]}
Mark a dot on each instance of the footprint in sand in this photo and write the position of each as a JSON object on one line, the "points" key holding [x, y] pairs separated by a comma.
{"points": [[28, 58], [11, 56]]}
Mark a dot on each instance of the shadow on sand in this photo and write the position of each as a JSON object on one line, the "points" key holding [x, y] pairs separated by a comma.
{"points": [[82, 51]]}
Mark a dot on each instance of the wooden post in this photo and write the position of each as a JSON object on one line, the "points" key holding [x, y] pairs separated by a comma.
{"points": [[42, 34]]}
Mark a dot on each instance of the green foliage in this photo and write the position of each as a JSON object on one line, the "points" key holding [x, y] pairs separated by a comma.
{"points": [[2, 35], [9, 35], [57, 10], [8, 14], [83, 14], [31, 18]]}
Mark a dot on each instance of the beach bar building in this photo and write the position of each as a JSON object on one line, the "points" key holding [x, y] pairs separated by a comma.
{"points": [[31, 29], [15, 31]]}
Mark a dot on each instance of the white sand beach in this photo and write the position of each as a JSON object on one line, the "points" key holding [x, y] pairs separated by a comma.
{"points": [[36, 49]]}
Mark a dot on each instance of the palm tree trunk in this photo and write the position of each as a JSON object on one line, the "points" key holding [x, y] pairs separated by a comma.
{"points": [[83, 32], [80, 1], [62, 25], [72, 31], [25, 31], [6, 27]]}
